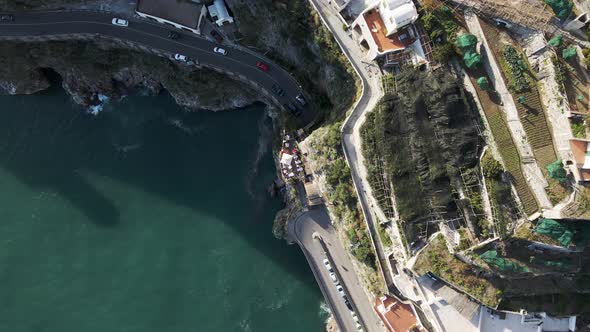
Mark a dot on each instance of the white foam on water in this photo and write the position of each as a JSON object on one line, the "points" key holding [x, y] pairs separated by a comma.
{"points": [[325, 313], [95, 109]]}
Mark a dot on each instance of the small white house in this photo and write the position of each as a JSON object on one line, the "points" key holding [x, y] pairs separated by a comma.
{"points": [[219, 13]]}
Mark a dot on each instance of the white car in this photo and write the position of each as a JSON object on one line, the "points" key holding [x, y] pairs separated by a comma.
{"points": [[354, 316], [120, 22], [333, 277], [180, 57], [340, 289], [220, 51], [327, 264]]}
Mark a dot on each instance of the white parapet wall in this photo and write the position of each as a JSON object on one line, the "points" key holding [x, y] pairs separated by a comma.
{"points": [[164, 21]]}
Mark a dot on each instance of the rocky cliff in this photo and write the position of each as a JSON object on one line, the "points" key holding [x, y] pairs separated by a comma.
{"points": [[91, 68]]}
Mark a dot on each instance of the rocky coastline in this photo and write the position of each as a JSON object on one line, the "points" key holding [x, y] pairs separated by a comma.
{"points": [[114, 72]]}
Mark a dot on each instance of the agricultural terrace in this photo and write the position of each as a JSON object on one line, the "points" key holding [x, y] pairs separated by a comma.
{"points": [[522, 84], [490, 103], [415, 142]]}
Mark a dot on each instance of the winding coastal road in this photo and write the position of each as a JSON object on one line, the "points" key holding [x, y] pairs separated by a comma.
{"points": [[240, 62], [143, 32], [327, 245]]}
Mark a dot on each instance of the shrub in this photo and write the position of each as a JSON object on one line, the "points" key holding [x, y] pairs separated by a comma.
{"points": [[443, 53], [491, 168]]}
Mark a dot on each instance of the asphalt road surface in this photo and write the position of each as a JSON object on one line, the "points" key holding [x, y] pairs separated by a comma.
{"points": [[318, 221], [155, 35]]}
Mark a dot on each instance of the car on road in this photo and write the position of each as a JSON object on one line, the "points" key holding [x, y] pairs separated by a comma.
{"points": [[340, 290], [220, 50], [300, 99], [292, 109], [347, 302], [180, 57], [120, 22], [173, 35], [277, 89], [262, 66], [217, 36], [333, 277], [327, 265], [6, 18]]}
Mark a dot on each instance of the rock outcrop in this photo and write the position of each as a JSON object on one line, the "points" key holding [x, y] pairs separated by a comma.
{"points": [[87, 69]]}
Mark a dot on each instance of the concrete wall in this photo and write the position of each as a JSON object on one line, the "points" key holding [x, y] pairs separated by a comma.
{"points": [[163, 21]]}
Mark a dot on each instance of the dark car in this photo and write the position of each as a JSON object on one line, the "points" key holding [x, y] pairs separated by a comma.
{"points": [[293, 109], [347, 302], [277, 89], [217, 36], [6, 18], [300, 99], [173, 35]]}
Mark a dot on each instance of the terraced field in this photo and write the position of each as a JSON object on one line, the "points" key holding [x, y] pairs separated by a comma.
{"points": [[530, 110], [506, 145]]}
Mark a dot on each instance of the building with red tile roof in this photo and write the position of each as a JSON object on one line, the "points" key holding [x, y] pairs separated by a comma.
{"points": [[397, 315]]}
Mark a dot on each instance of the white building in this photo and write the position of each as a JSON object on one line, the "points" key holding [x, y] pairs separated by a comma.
{"points": [[219, 13], [387, 27]]}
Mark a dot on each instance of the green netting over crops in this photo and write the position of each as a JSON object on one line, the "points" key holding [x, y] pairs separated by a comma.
{"points": [[556, 171], [565, 264], [555, 230], [555, 41], [491, 257], [471, 59], [467, 42], [569, 53], [561, 8], [483, 83]]}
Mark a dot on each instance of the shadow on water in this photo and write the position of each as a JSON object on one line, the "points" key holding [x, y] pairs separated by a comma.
{"points": [[155, 147]]}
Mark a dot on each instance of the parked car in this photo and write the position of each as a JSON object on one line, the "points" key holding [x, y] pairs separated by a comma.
{"points": [[6, 18], [277, 89], [173, 35], [292, 109], [262, 66], [340, 290], [333, 277], [120, 22], [502, 24], [347, 302], [217, 36], [300, 99], [180, 57], [220, 50], [327, 265]]}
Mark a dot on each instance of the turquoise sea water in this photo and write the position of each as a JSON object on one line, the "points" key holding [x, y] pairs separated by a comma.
{"points": [[143, 218]]}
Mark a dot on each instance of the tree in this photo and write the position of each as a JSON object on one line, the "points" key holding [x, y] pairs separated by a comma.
{"points": [[443, 53], [491, 168]]}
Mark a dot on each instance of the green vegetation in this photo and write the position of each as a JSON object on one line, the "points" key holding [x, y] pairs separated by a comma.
{"points": [[490, 167], [442, 28], [416, 140], [578, 128], [328, 153], [516, 69], [503, 204], [385, 238], [295, 38], [436, 258], [560, 72], [522, 81]]}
